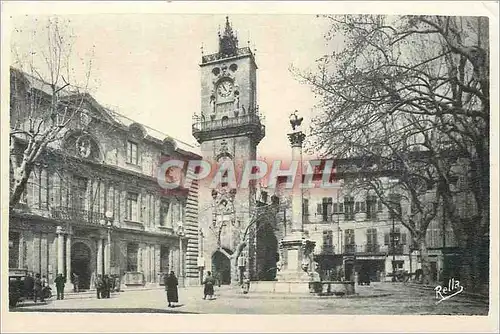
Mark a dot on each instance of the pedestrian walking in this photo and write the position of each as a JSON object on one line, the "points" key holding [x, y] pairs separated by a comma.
{"points": [[29, 286], [99, 286], [171, 283], [37, 289], [76, 283], [208, 283], [107, 286], [60, 282]]}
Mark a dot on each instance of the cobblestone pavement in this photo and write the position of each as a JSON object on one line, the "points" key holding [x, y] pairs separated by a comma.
{"points": [[381, 299]]}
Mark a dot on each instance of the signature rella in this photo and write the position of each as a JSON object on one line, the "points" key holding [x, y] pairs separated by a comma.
{"points": [[241, 175]]}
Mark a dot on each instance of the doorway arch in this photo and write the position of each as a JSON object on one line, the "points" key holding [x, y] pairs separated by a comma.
{"points": [[267, 251], [221, 267], [81, 256]]}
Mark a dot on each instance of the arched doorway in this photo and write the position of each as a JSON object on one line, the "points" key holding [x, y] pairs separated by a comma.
{"points": [[267, 251], [80, 264], [221, 267]]}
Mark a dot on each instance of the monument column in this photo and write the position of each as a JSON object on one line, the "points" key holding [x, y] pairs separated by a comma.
{"points": [[296, 247], [296, 140]]}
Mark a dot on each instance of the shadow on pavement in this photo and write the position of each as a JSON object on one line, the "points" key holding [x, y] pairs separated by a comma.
{"points": [[103, 310]]}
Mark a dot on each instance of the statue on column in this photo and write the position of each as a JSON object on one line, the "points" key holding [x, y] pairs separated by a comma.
{"points": [[295, 121], [212, 106], [236, 103]]}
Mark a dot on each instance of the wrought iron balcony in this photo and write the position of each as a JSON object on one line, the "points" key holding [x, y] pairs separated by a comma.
{"points": [[372, 248], [216, 56], [77, 215], [364, 249], [217, 124], [327, 249], [250, 122], [396, 249], [350, 249]]}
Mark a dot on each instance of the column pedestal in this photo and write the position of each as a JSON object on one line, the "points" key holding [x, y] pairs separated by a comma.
{"points": [[297, 263]]}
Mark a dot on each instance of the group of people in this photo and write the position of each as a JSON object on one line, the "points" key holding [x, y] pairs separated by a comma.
{"points": [[36, 287], [171, 283], [104, 285]]}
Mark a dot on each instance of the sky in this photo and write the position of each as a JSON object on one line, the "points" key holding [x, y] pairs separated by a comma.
{"points": [[146, 66]]}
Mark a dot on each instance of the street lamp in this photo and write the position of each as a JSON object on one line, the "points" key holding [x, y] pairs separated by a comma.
{"points": [[108, 223], [180, 234]]}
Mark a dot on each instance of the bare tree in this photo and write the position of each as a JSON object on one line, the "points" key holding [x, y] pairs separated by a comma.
{"points": [[413, 84], [44, 97]]}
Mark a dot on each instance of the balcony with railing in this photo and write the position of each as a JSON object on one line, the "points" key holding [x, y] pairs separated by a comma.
{"points": [[250, 121], [327, 249], [367, 249], [245, 51], [350, 249], [77, 215]]}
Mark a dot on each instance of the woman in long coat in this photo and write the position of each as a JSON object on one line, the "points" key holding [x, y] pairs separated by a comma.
{"points": [[171, 288]]}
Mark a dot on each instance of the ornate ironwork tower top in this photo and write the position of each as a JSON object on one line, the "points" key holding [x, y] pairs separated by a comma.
{"points": [[228, 41]]}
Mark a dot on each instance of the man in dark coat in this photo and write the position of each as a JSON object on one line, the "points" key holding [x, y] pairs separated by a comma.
{"points": [[107, 286], [99, 286], [76, 283], [29, 285], [60, 282], [171, 288], [37, 289], [208, 283]]}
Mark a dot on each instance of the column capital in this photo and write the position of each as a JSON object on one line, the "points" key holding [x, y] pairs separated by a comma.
{"points": [[296, 138]]}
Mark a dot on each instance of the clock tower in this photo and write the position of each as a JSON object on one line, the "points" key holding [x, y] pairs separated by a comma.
{"points": [[228, 128]]}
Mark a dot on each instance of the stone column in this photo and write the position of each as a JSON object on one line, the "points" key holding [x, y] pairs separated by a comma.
{"points": [[60, 250], [181, 263], [296, 140], [107, 254], [99, 256], [68, 285], [296, 247], [21, 251]]}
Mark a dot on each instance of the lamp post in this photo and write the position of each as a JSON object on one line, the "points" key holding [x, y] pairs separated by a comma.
{"points": [[180, 234], [108, 222]]}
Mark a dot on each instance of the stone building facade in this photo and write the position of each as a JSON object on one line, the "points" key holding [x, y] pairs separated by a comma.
{"points": [[356, 237], [93, 205]]}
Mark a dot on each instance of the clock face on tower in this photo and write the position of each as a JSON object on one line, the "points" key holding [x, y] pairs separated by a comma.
{"points": [[225, 88]]}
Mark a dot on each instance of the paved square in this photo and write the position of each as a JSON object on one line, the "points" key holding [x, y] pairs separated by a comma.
{"points": [[388, 299]]}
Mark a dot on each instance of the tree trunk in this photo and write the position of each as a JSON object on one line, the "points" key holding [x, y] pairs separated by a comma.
{"points": [[235, 281], [475, 264], [424, 260], [21, 177], [235, 270]]}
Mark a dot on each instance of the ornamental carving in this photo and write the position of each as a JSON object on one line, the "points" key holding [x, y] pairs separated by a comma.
{"points": [[296, 139], [83, 146]]}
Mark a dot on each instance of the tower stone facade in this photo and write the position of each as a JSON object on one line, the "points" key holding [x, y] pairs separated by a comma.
{"points": [[228, 128]]}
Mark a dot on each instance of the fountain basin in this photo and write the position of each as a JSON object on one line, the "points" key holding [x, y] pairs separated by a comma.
{"points": [[331, 288]]}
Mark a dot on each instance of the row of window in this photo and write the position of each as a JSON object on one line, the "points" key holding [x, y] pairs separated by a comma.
{"points": [[327, 208], [72, 192], [133, 258], [371, 237]]}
